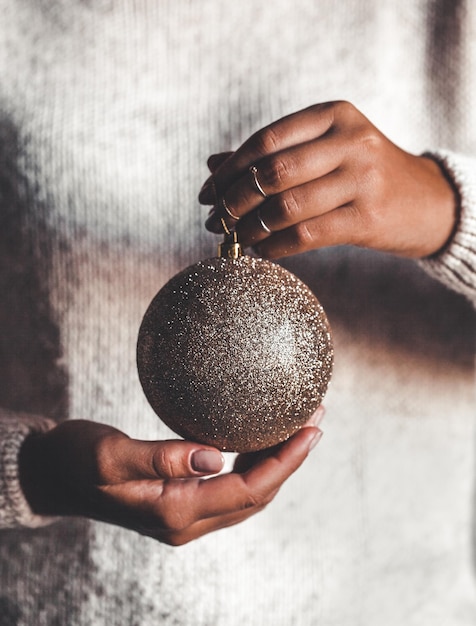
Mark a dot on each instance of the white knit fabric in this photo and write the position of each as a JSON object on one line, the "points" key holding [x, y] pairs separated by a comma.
{"points": [[14, 428], [108, 112], [456, 265]]}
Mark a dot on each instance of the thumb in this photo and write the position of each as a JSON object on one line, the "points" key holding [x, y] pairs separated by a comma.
{"points": [[167, 459]]}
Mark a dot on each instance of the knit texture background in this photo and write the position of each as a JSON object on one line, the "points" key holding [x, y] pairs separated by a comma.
{"points": [[108, 112]]}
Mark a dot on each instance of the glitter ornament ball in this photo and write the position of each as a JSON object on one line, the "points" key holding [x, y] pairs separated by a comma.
{"points": [[235, 352]]}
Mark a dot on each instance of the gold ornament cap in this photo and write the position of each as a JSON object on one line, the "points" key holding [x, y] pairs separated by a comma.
{"points": [[230, 247]]}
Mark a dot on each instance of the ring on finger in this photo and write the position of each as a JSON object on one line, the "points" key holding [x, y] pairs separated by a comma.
{"points": [[227, 209], [263, 224], [254, 171]]}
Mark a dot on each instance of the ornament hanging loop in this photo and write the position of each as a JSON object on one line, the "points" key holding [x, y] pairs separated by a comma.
{"points": [[225, 227], [230, 247]]}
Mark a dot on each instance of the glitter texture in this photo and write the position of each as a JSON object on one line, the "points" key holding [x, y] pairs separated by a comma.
{"points": [[236, 353]]}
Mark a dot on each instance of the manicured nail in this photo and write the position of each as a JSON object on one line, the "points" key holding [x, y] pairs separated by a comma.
{"points": [[207, 194], [318, 416], [316, 439], [213, 224], [207, 461], [214, 161]]}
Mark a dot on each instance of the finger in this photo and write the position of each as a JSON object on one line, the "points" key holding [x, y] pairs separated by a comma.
{"points": [[317, 417], [289, 131], [342, 226], [208, 191], [208, 194], [234, 492], [215, 160], [279, 172], [297, 205], [138, 460], [244, 462], [203, 527], [175, 505], [133, 505]]}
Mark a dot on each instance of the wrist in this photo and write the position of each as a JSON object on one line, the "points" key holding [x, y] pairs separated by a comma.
{"points": [[443, 206], [38, 479], [31, 473], [455, 265]]}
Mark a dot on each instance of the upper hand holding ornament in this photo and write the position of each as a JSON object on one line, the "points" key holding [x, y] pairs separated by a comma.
{"points": [[330, 178]]}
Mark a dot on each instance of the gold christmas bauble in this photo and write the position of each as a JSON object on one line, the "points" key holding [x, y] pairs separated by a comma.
{"points": [[235, 352]]}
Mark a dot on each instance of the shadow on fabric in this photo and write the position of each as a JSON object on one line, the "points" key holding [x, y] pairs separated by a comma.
{"points": [[32, 380]]}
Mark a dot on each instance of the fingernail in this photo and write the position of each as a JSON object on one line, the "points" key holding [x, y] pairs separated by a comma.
{"points": [[316, 439], [318, 416], [213, 224], [207, 182], [207, 194], [207, 461], [213, 161]]}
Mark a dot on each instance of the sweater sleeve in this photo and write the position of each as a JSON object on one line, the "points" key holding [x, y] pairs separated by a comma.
{"points": [[14, 508], [455, 265]]}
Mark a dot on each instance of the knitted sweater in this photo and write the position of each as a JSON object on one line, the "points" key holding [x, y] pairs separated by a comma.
{"points": [[108, 111]]}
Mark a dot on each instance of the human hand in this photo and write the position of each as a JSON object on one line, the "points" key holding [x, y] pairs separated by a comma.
{"points": [[153, 487], [331, 178]]}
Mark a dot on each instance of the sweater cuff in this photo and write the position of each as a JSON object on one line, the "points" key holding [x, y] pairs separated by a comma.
{"points": [[455, 265], [14, 508]]}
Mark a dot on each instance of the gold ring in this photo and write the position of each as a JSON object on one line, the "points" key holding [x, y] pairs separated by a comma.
{"points": [[232, 215], [263, 225], [225, 227], [254, 171]]}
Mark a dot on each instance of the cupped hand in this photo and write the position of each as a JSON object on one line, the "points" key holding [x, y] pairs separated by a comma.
{"points": [[153, 487], [326, 176]]}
